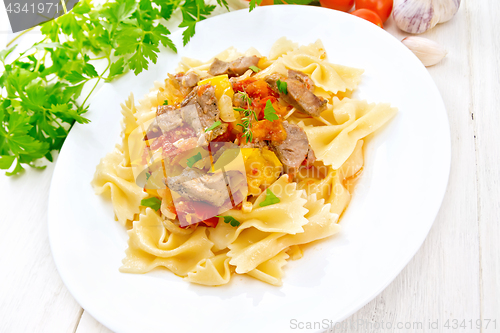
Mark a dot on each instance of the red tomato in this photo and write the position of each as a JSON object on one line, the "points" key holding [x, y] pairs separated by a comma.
{"points": [[343, 5], [211, 222], [382, 8], [369, 16]]}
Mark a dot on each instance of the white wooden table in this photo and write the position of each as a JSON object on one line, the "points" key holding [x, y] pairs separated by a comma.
{"points": [[456, 273]]}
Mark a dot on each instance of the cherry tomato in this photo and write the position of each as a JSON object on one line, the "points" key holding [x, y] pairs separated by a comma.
{"points": [[343, 5], [369, 16], [382, 8]]}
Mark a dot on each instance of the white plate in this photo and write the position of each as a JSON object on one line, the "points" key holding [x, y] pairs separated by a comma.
{"points": [[395, 204]]}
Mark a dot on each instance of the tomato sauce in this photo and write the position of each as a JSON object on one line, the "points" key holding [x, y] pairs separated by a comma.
{"points": [[254, 88], [268, 130]]}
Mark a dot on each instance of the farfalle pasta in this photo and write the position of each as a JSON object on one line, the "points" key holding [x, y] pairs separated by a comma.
{"points": [[231, 165]]}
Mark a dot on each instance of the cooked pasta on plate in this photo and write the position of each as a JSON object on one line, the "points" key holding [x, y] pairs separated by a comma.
{"points": [[231, 165]]}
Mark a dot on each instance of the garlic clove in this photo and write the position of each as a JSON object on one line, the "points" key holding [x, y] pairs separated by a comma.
{"points": [[428, 51], [445, 9], [414, 16]]}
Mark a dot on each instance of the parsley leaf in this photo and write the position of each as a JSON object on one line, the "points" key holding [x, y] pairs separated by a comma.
{"points": [[214, 125], [193, 159], [231, 220], [254, 3], [270, 112], [245, 98], [193, 11], [282, 87], [152, 202], [271, 199], [5, 53], [116, 68], [255, 69], [165, 102], [41, 85], [246, 123], [6, 161]]}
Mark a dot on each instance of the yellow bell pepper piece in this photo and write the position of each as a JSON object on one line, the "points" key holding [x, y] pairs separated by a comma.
{"points": [[262, 168], [221, 84]]}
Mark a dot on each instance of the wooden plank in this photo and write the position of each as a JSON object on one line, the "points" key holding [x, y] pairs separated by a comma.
{"points": [[34, 299], [484, 50], [442, 280]]}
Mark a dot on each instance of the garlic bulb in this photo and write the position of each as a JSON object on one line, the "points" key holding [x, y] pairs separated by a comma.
{"points": [[446, 9], [418, 16], [428, 51]]}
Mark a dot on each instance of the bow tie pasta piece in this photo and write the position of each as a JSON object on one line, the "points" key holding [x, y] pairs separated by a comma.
{"points": [[151, 245], [322, 223], [281, 47], [247, 251], [113, 177], [129, 124], [252, 248], [334, 144], [320, 187], [353, 164], [339, 197], [284, 46], [295, 252], [332, 78], [211, 271], [331, 187], [287, 216], [276, 67], [201, 67], [271, 271]]}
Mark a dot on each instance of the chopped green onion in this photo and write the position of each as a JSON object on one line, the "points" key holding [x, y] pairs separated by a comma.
{"points": [[153, 203], [230, 220], [271, 199], [193, 159], [214, 125], [255, 69]]}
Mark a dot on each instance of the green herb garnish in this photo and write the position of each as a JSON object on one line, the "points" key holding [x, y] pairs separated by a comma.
{"points": [[247, 123], [214, 125], [245, 97], [153, 202], [254, 3], [282, 87], [193, 159], [270, 112], [231, 220], [40, 86], [271, 199], [165, 102], [255, 69]]}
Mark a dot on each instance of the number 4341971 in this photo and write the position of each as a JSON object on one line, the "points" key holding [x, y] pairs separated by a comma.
{"points": [[39, 8], [479, 323]]}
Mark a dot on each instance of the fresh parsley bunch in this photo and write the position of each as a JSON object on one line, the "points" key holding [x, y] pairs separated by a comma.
{"points": [[40, 88]]}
